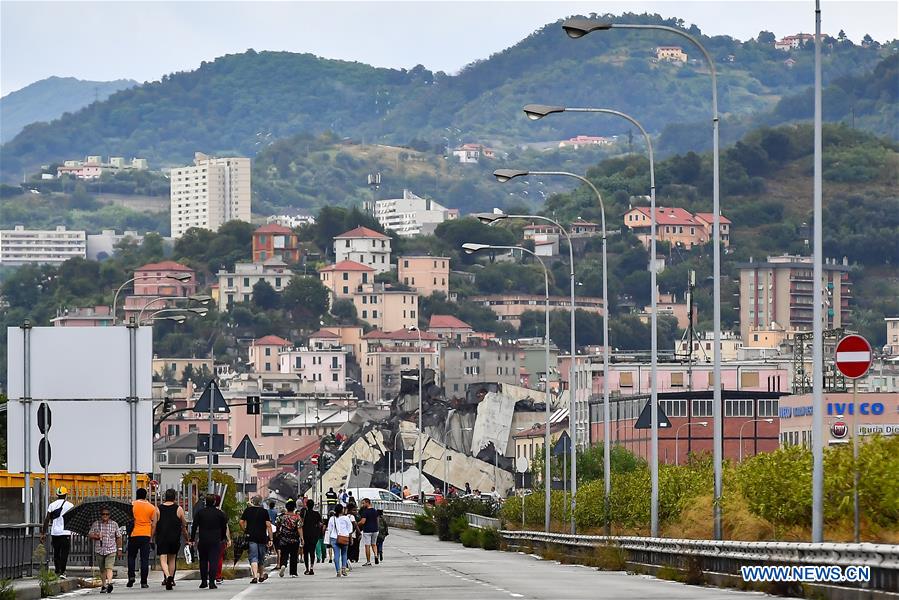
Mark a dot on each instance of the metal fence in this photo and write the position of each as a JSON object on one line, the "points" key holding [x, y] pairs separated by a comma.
{"points": [[482, 522], [17, 545], [726, 557]]}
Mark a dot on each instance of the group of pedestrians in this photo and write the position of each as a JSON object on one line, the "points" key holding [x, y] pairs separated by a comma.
{"points": [[349, 528]]}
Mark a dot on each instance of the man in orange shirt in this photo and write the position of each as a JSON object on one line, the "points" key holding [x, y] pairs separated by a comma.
{"points": [[145, 518]]}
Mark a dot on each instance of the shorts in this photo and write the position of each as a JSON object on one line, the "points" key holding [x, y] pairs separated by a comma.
{"points": [[105, 561], [369, 538], [256, 552]]}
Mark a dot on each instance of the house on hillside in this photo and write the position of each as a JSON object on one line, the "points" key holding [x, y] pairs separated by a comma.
{"points": [[671, 54]]}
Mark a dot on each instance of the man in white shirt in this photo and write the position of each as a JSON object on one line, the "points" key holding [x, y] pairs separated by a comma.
{"points": [[60, 537]]}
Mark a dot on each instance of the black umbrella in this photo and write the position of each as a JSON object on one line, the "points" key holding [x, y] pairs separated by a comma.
{"points": [[80, 518]]}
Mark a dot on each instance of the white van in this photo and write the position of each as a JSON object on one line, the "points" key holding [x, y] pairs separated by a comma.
{"points": [[373, 494]]}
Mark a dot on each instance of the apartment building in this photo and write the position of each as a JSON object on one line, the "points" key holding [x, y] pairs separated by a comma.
{"points": [[20, 246], [89, 316], [676, 226], [343, 279], [425, 274], [385, 308], [264, 354], [364, 245], [387, 353], [510, 307], [778, 292], [210, 193], [101, 246], [450, 328], [237, 286], [474, 362], [93, 166], [892, 345], [155, 283], [323, 364], [275, 241], [410, 215], [671, 54]]}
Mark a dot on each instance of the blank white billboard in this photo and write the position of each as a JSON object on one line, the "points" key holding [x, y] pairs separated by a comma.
{"points": [[86, 436], [83, 375], [79, 363]]}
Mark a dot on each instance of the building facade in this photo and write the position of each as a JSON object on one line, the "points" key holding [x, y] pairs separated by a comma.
{"points": [[387, 354], [345, 278], [91, 316], [275, 241], [671, 54], [20, 246], [778, 292], [425, 274], [210, 193], [155, 283], [892, 346], [410, 215], [676, 226], [386, 309], [364, 245], [510, 307], [874, 413], [264, 354], [101, 246], [237, 286], [450, 328], [470, 363]]}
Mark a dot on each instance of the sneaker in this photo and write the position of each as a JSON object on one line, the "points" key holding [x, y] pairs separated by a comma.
{"points": [[292, 576], [345, 572], [144, 586], [212, 586], [367, 563], [109, 589], [263, 577], [254, 580], [338, 575], [130, 582], [376, 560], [102, 589], [281, 571], [203, 585], [62, 576], [311, 572], [330, 560], [219, 581]]}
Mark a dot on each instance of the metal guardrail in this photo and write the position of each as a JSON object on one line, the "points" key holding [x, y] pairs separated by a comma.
{"points": [[17, 544], [727, 557], [409, 508], [482, 522]]}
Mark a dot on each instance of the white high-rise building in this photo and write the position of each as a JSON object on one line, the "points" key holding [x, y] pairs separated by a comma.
{"points": [[20, 246], [210, 193], [411, 214]]}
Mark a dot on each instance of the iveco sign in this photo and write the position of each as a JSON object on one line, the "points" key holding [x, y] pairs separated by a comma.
{"points": [[847, 408]]}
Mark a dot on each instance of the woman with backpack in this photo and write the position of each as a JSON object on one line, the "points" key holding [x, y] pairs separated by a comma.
{"points": [[290, 538]]}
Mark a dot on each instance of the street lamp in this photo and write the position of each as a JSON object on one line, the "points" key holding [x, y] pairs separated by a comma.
{"points": [[538, 111], [494, 217], [677, 433], [577, 28], [182, 277], [741, 432], [201, 299], [421, 371], [185, 312], [470, 248]]}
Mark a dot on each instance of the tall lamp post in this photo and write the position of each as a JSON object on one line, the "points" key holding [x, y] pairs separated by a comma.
{"points": [[182, 277], [491, 218], [577, 28], [538, 111], [505, 175], [741, 432], [471, 249], [421, 403], [677, 433]]}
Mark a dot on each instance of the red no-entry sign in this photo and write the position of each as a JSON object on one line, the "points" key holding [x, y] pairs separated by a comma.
{"points": [[853, 356]]}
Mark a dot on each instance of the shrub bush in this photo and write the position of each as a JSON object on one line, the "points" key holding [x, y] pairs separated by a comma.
{"points": [[424, 524], [490, 539], [470, 537], [444, 514], [457, 527]]}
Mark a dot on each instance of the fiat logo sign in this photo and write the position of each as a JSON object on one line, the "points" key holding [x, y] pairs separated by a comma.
{"points": [[839, 430]]}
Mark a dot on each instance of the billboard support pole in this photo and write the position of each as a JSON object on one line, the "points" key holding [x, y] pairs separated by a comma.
{"points": [[209, 455], [132, 401], [26, 416]]}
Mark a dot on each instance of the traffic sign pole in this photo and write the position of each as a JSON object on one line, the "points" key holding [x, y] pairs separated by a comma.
{"points": [[853, 359]]}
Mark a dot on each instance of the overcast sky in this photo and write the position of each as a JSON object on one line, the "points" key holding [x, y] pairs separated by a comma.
{"points": [[144, 40]]}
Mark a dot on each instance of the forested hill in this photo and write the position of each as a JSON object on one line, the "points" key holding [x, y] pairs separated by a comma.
{"points": [[238, 103]]}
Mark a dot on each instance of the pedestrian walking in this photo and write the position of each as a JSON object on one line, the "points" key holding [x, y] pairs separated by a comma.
{"points": [[107, 547], [60, 537], [146, 517], [368, 521], [272, 511], [340, 530], [256, 523], [225, 546], [312, 527], [383, 532], [467, 489], [406, 492], [212, 525], [326, 537], [330, 499], [344, 497], [290, 538], [170, 529], [353, 550]]}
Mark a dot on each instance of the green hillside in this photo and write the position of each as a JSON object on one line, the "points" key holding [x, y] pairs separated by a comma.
{"points": [[240, 103]]}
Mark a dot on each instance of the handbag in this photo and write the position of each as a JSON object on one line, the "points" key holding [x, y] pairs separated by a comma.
{"points": [[343, 540]]}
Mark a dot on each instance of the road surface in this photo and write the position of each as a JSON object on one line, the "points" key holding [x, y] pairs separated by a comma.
{"points": [[423, 568]]}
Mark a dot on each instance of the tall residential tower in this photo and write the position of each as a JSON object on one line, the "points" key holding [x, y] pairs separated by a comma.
{"points": [[210, 193]]}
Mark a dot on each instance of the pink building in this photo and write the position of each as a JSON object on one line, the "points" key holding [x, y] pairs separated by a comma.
{"points": [[263, 353], [634, 378], [323, 363], [91, 316], [450, 328], [159, 279]]}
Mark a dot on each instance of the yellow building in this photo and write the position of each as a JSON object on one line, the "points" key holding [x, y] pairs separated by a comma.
{"points": [[425, 274], [344, 278], [671, 54], [387, 354]]}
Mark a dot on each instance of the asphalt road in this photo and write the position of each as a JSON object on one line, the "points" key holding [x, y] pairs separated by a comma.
{"points": [[423, 568]]}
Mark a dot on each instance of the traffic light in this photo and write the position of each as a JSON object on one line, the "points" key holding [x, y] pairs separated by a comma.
{"points": [[167, 404], [254, 406], [324, 463]]}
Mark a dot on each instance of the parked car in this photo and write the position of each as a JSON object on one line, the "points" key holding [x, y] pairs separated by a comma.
{"points": [[374, 494]]}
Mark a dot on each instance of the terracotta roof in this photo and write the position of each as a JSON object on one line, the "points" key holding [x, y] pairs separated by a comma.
{"points": [[361, 232], [579, 222], [708, 218], [302, 453], [669, 216], [166, 265], [539, 430], [399, 334], [346, 265], [447, 322], [271, 340], [324, 333], [273, 228]]}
